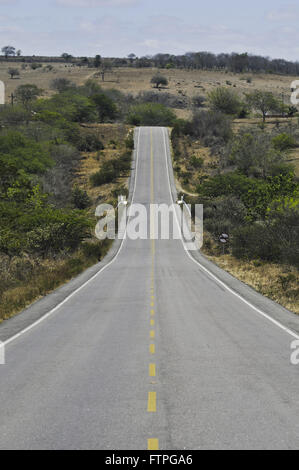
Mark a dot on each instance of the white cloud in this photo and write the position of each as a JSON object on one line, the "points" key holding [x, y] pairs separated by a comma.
{"points": [[95, 3], [289, 13], [152, 44]]}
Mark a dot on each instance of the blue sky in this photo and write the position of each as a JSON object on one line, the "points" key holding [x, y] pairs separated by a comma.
{"points": [[120, 27]]}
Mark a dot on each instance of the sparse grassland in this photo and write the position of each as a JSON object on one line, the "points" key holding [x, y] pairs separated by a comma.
{"points": [[113, 137], [42, 77], [182, 83]]}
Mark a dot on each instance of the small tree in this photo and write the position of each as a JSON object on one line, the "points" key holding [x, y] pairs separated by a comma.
{"points": [[159, 80], [80, 198], [67, 57], [224, 100], [254, 153], [105, 67], [106, 108], [61, 84], [8, 51], [26, 94], [198, 101], [131, 58], [263, 101], [35, 66], [97, 61], [13, 73]]}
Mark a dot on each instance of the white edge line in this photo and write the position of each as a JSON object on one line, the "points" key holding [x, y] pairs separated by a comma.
{"points": [[265, 315], [47, 315]]}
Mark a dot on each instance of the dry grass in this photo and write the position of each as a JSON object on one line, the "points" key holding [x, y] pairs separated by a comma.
{"points": [[188, 177], [279, 283], [41, 77], [113, 137], [46, 276], [194, 82], [185, 83]]}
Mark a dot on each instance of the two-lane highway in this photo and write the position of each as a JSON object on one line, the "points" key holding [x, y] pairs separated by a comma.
{"points": [[152, 353]]}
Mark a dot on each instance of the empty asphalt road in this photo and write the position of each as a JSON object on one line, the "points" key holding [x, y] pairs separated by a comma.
{"points": [[153, 352]]}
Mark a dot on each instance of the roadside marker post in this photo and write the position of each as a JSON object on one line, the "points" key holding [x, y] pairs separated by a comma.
{"points": [[2, 354]]}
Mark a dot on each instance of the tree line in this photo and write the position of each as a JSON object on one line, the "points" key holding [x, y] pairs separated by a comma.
{"points": [[203, 60]]}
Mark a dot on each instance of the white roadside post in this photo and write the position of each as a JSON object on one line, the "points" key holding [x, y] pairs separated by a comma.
{"points": [[2, 93], [2, 354], [122, 217]]}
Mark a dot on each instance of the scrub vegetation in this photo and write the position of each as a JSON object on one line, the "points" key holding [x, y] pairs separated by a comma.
{"points": [[66, 145]]}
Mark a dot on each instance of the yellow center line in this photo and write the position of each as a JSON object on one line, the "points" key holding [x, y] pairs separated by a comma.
{"points": [[152, 402], [153, 444], [152, 370], [152, 219]]}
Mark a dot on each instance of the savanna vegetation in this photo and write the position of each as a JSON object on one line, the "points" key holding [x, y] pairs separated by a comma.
{"points": [[235, 140], [248, 187], [46, 214]]}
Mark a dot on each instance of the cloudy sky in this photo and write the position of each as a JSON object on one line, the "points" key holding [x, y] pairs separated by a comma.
{"points": [[121, 27]]}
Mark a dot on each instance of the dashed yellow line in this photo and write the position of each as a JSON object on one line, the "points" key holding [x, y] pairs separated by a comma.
{"points": [[153, 444], [152, 402], [152, 370]]}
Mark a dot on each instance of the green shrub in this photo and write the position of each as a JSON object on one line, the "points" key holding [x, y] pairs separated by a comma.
{"points": [[11, 243], [92, 250], [224, 100], [61, 84], [12, 116], [35, 66], [284, 142], [253, 153], [166, 99], [105, 107], [255, 194], [159, 80], [63, 231], [89, 143], [196, 162], [112, 169], [213, 127], [255, 241], [71, 105], [80, 198], [151, 114], [106, 175]]}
